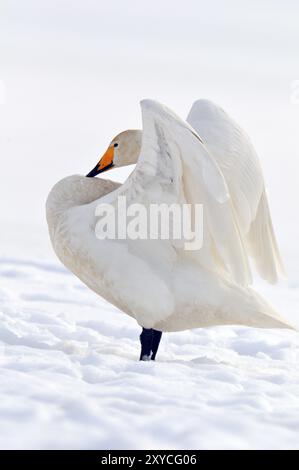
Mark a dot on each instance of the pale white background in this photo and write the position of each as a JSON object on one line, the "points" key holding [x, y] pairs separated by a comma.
{"points": [[75, 71], [72, 74]]}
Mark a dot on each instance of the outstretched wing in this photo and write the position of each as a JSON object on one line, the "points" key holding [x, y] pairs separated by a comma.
{"points": [[175, 166], [235, 155]]}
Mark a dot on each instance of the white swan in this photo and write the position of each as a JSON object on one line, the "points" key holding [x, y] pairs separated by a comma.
{"points": [[157, 282]]}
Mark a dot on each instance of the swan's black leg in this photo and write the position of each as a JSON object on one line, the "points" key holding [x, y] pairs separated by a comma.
{"points": [[155, 343], [146, 339]]}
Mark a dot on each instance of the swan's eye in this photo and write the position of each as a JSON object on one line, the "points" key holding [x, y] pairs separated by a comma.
{"points": [[115, 145]]}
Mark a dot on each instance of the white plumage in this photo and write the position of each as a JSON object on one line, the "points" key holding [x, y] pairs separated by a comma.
{"points": [[209, 161], [233, 151]]}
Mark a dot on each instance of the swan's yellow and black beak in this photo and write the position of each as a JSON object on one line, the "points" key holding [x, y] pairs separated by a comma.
{"points": [[104, 164]]}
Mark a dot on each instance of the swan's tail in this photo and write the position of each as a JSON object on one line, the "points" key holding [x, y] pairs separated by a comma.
{"points": [[255, 311]]}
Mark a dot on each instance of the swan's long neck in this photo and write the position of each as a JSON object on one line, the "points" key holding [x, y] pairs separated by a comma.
{"points": [[74, 191]]}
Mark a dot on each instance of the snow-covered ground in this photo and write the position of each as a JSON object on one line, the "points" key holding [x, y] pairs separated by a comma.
{"points": [[72, 74], [70, 377]]}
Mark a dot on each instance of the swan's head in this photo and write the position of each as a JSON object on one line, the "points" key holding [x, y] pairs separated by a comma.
{"points": [[123, 150]]}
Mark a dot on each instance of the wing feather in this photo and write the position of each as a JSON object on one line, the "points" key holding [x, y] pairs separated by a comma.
{"points": [[175, 166], [233, 151]]}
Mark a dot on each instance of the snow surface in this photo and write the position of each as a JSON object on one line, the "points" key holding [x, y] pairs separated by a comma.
{"points": [[72, 75], [70, 377]]}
